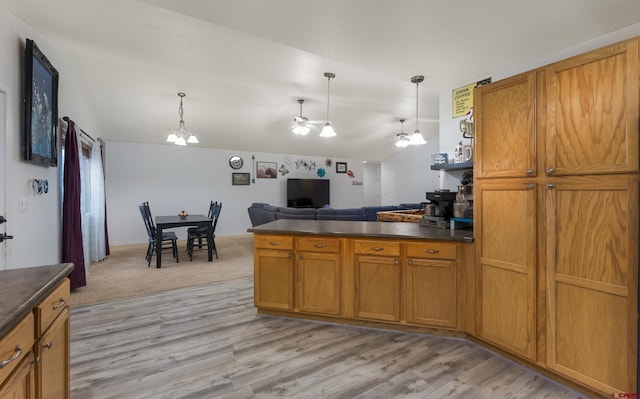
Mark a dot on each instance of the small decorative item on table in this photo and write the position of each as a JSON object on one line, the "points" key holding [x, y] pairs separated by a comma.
{"points": [[183, 214]]}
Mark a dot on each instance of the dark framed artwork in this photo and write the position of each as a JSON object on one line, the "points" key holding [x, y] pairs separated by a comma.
{"points": [[40, 108], [240, 179], [266, 170], [341, 167]]}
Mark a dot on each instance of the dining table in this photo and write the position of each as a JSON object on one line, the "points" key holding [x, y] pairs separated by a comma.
{"points": [[173, 221]]}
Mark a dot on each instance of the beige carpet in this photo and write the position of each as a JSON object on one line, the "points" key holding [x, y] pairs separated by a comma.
{"points": [[125, 274]]}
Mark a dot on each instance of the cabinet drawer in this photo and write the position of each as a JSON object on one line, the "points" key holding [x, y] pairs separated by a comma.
{"points": [[318, 244], [273, 242], [371, 247], [16, 345], [432, 250], [52, 306]]}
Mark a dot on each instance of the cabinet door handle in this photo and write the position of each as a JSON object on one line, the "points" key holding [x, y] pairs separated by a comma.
{"points": [[377, 249], [529, 172], [431, 251], [530, 186], [274, 242], [18, 353], [550, 171], [410, 262], [57, 305], [48, 346], [301, 257], [319, 245], [395, 262], [289, 255], [551, 186]]}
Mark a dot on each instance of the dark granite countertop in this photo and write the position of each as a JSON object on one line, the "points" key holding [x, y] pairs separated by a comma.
{"points": [[23, 289], [397, 230]]}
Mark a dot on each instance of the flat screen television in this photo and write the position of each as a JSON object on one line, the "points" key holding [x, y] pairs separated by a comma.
{"points": [[307, 193]]}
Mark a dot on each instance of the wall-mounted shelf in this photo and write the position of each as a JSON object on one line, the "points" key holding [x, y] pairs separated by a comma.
{"points": [[453, 166]]}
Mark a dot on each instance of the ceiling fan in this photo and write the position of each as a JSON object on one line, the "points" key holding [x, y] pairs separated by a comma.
{"points": [[301, 124]]}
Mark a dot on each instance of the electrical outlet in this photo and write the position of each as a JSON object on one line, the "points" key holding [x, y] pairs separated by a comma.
{"points": [[24, 205]]}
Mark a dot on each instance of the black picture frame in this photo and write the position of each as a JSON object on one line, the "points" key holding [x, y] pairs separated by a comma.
{"points": [[40, 108], [240, 179], [341, 167]]}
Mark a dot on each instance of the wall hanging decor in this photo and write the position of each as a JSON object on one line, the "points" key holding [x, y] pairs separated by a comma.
{"points": [[341, 167], [266, 170], [240, 179], [40, 108]]}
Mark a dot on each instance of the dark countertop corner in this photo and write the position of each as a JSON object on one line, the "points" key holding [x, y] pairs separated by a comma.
{"points": [[24, 288]]}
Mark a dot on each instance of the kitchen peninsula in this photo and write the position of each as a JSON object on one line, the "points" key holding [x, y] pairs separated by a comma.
{"points": [[400, 274]]}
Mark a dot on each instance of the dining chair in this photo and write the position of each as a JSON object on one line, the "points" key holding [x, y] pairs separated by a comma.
{"points": [[169, 238], [200, 233]]}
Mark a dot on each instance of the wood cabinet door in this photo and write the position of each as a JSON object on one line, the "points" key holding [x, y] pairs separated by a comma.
{"points": [[592, 112], [432, 292], [52, 373], [505, 118], [273, 279], [21, 383], [592, 275], [377, 287], [506, 255], [319, 282]]}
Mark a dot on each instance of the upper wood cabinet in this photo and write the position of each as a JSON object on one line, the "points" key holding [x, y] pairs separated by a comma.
{"points": [[592, 112], [505, 114]]}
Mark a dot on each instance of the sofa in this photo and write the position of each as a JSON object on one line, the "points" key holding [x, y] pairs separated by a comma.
{"points": [[260, 212]]}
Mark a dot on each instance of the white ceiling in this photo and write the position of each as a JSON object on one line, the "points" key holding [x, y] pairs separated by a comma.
{"points": [[244, 63]]}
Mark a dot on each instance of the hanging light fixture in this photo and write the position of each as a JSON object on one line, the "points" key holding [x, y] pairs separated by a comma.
{"points": [[417, 138], [327, 130], [182, 136], [300, 122], [402, 138]]}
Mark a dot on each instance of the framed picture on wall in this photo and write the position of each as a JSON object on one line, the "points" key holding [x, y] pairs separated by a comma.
{"points": [[266, 170], [341, 167], [240, 179], [40, 108]]}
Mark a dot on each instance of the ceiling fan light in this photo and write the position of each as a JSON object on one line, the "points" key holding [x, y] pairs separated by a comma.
{"points": [[300, 129], [402, 142], [417, 138], [327, 131]]}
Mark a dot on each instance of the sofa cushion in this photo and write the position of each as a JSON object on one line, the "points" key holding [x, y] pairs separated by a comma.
{"points": [[296, 213], [258, 215], [341, 214]]}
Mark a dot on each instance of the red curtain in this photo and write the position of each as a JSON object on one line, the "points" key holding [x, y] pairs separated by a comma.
{"points": [[71, 217]]}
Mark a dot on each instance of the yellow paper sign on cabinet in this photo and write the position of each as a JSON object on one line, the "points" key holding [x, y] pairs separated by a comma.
{"points": [[462, 100]]}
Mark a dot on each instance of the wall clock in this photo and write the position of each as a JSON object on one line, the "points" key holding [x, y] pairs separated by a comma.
{"points": [[235, 162]]}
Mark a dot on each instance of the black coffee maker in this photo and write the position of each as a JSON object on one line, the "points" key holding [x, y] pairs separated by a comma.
{"points": [[439, 209]]}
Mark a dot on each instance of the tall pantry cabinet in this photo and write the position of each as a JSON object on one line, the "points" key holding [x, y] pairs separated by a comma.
{"points": [[556, 198]]}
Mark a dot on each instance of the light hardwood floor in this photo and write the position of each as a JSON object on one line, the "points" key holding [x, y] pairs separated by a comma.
{"points": [[208, 342]]}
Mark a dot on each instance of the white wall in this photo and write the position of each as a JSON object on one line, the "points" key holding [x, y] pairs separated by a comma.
{"points": [[176, 178], [36, 232], [408, 176]]}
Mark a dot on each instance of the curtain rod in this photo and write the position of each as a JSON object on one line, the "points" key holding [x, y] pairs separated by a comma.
{"points": [[67, 119]]}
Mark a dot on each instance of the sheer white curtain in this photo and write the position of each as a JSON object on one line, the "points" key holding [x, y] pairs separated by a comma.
{"points": [[97, 247], [85, 202]]}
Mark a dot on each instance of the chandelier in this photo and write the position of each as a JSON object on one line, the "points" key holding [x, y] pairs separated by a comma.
{"points": [[182, 136]]}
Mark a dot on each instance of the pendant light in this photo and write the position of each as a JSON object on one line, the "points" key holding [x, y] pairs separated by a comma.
{"points": [[327, 130], [417, 138], [300, 122], [181, 136], [402, 138]]}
